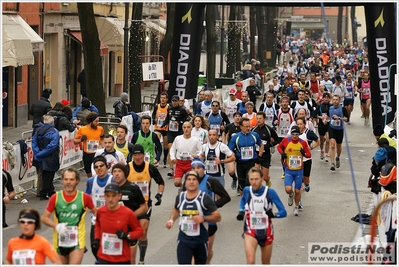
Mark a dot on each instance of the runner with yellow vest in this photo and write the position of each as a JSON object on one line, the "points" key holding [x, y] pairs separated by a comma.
{"points": [[158, 117], [140, 173]]}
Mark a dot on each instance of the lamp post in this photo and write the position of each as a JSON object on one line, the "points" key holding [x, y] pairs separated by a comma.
{"points": [[126, 49], [221, 43]]}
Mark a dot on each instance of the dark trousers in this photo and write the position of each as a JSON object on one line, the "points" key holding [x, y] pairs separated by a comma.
{"points": [[242, 172], [186, 251], [4, 215], [47, 186], [39, 182]]}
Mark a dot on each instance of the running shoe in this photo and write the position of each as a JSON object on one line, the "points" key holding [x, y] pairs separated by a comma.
{"points": [[171, 173], [349, 123], [234, 185], [362, 116], [238, 192], [291, 199], [322, 155], [367, 121], [156, 165], [326, 159], [296, 211], [337, 163], [300, 207], [140, 263], [164, 165], [272, 149], [282, 176], [307, 188], [269, 183], [332, 167]]}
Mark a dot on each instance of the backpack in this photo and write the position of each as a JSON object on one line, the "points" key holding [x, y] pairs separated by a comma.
{"points": [[81, 115]]}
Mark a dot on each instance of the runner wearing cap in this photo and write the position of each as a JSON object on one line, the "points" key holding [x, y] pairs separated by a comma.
{"points": [[230, 130], [140, 173], [183, 150], [200, 124], [217, 119], [256, 209], [239, 90], [230, 105], [205, 106], [92, 137], [95, 187], [195, 209], [30, 248], [244, 145], [69, 206], [158, 117], [323, 126], [336, 114], [116, 226], [174, 119], [132, 197], [149, 141], [292, 150], [212, 186]]}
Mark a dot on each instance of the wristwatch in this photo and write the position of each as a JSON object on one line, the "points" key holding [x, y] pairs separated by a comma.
{"points": [[222, 161], [205, 217]]}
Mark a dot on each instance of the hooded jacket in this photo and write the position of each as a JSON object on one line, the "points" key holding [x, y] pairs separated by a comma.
{"points": [[45, 146]]}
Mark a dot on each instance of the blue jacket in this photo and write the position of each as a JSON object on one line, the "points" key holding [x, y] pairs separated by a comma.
{"points": [[45, 146]]}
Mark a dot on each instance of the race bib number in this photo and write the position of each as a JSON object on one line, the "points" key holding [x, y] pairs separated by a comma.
{"points": [[147, 157], [189, 227], [99, 200], [173, 126], [366, 91], [247, 152], [111, 244], [349, 95], [24, 257], [161, 119], [295, 162], [269, 118], [284, 131], [336, 123], [185, 156], [70, 239], [143, 187], [211, 166], [92, 145], [258, 220]]}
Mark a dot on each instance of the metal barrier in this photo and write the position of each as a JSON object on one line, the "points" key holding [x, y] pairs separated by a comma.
{"points": [[26, 133], [109, 123], [148, 102]]}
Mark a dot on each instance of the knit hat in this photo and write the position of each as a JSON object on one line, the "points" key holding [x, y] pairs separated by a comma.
{"points": [[100, 158], [65, 102], [85, 102], [378, 130], [122, 167], [125, 97], [198, 163], [381, 154], [46, 93]]}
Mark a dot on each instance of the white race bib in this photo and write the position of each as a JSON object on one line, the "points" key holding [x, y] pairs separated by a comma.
{"points": [[70, 239], [147, 157], [92, 145], [143, 187], [111, 244], [247, 152], [211, 166], [99, 200], [185, 156], [161, 119], [295, 162], [189, 227], [336, 123], [173, 126], [258, 220], [24, 257]]}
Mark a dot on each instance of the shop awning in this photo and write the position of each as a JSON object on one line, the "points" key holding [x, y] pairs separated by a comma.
{"points": [[77, 36], [19, 41], [307, 25], [110, 31]]}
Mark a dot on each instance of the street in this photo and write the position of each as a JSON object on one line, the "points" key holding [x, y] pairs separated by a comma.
{"points": [[326, 216]]}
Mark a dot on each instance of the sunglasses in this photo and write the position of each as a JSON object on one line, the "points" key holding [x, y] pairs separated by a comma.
{"points": [[99, 166], [28, 221], [295, 134], [215, 105]]}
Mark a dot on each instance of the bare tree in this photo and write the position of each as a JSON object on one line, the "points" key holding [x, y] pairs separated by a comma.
{"points": [[260, 23], [252, 31], [135, 50], [92, 58], [211, 44], [234, 34], [166, 43]]}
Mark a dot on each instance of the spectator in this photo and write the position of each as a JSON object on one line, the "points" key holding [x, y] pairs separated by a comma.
{"points": [[122, 106], [40, 107], [82, 81], [7, 184], [61, 120], [81, 111]]}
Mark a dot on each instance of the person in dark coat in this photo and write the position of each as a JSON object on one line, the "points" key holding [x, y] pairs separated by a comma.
{"points": [[122, 106], [82, 81], [46, 150], [40, 107], [61, 120]]}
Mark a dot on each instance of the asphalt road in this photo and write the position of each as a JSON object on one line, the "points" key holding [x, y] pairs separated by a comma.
{"points": [[326, 217]]}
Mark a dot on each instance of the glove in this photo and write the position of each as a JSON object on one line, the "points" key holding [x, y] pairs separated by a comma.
{"points": [[283, 156], [95, 245], [61, 228], [240, 216], [84, 137], [270, 213], [302, 152], [158, 196], [122, 235], [392, 133]]}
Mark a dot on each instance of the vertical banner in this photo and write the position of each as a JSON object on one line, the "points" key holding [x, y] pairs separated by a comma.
{"points": [[381, 39], [186, 51]]}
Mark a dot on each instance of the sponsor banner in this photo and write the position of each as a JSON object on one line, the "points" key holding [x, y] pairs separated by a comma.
{"points": [[70, 154], [345, 253], [186, 51], [381, 36]]}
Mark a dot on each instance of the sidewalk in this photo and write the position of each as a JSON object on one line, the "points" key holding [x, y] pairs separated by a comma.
{"points": [[14, 134]]}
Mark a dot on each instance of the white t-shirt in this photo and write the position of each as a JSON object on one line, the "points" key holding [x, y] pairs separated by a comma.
{"points": [[230, 108], [112, 159], [201, 134], [181, 146]]}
